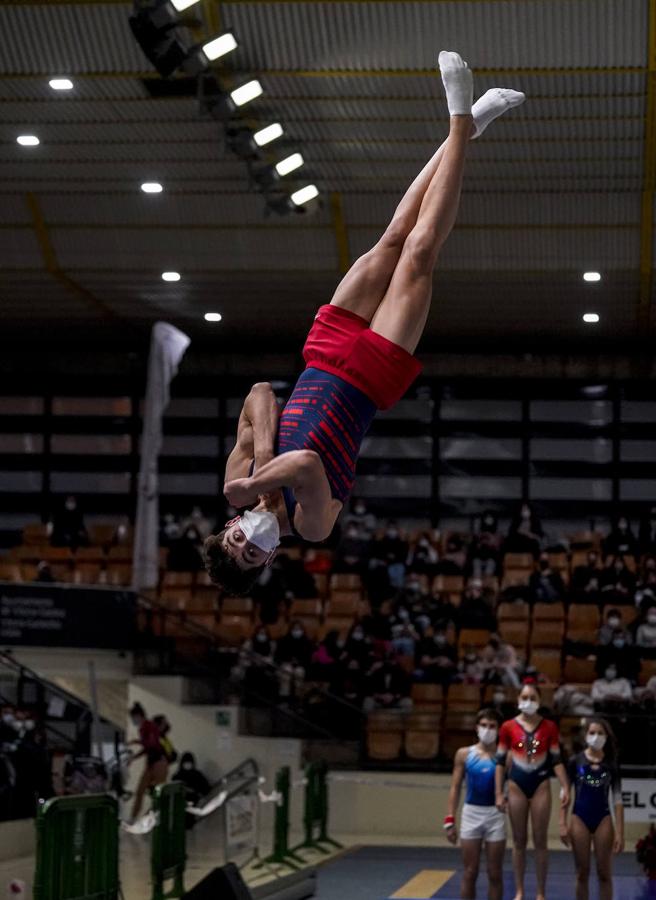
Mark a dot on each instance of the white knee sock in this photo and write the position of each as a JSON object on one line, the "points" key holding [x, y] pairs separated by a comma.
{"points": [[493, 104], [458, 83]]}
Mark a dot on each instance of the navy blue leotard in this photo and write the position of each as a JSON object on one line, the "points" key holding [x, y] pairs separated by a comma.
{"points": [[593, 784]]}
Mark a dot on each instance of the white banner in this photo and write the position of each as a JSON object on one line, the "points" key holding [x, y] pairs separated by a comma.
{"points": [[241, 823], [167, 347], [639, 799]]}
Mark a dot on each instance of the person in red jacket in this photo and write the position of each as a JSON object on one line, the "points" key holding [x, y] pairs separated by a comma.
{"points": [[157, 767]]}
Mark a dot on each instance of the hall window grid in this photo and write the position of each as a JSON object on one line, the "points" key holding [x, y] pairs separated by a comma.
{"points": [[448, 449]]}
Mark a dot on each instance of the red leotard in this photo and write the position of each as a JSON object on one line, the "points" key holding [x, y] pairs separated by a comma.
{"points": [[532, 753]]}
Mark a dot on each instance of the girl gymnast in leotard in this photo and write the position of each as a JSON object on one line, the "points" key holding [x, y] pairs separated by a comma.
{"points": [[529, 750], [594, 775]]}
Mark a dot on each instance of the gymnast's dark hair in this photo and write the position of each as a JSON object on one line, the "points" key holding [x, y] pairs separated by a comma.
{"points": [[223, 569], [488, 713]]}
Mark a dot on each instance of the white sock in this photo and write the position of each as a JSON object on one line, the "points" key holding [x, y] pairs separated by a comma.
{"points": [[493, 104], [458, 83]]}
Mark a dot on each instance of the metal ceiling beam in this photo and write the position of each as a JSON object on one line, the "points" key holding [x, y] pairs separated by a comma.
{"points": [[341, 234], [644, 317], [52, 265], [305, 226], [305, 120], [360, 73]]}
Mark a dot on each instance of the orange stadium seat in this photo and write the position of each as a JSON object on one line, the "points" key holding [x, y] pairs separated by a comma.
{"points": [[518, 611], [552, 612], [582, 622], [579, 671], [422, 735], [548, 663], [427, 696]]}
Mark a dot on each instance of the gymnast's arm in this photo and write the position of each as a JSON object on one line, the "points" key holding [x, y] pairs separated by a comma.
{"points": [[256, 432], [303, 472]]}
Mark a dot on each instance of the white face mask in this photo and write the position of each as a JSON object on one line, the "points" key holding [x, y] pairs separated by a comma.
{"points": [[261, 528], [486, 735], [595, 741], [528, 706]]}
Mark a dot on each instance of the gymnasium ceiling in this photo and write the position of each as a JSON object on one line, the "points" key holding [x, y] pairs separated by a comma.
{"points": [[562, 185]]}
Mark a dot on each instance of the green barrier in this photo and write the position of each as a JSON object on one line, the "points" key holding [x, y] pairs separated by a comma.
{"points": [[168, 851], [77, 849], [282, 855], [315, 814]]}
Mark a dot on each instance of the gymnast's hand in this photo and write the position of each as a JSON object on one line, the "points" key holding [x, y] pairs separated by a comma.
{"points": [[240, 492]]}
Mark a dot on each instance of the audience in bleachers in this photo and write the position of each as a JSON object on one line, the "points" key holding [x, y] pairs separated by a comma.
{"points": [[25, 767], [68, 528], [389, 613]]}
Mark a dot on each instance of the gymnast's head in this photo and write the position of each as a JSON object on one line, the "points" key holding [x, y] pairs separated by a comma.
{"points": [[237, 555]]}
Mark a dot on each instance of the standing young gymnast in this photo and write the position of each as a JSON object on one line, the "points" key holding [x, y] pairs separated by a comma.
{"points": [[480, 822], [529, 746], [298, 472], [594, 775]]}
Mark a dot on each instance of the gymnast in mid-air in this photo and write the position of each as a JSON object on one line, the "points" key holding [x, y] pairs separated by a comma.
{"points": [[292, 472]]}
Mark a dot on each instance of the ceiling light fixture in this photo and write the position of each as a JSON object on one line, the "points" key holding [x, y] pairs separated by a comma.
{"points": [[591, 318], [289, 164], [181, 5], [170, 276], [304, 194], [268, 134], [28, 140], [219, 46], [246, 92], [61, 84], [213, 317], [592, 276], [152, 187]]}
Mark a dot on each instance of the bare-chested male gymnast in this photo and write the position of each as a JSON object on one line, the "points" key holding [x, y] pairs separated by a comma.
{"points": [[295, 470]]}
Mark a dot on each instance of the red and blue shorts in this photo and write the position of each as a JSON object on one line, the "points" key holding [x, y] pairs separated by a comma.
{"points": [[342, 343]]}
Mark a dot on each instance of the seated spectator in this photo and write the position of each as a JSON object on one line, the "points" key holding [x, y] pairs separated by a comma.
{"points": [[271, 591], [502, 703], [500, 662], [620, 656], [617, 581], [169, 530], [485, 549], [611, 690], [386, 687], [612, 623], [299, 582], [620, 541], [404, 639], [199, 521], [413, 595], [525, 533], [435, 659], [392, 551], [470, 668], [44, 573], [546, 585], [476, 611], [585, 586], [325, 659], [196, 784], [454, 557], [422, 556], [352, 551], [572, 700], [647, 533], [68, 528], [185, 552], [293, 654], [357, 655], [364, 521], [442, 612], [646, 633]]}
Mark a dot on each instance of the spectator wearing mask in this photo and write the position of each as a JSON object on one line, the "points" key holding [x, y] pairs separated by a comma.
{"points": [[156, 768], [169, 530], [611, 691], [443, 613], [68, 528], [546, 585], [621, 540], [646, 633], [293, 654], [325, 658], [392, 550], [423, 557], [454, 557], [196, 784], [352, 551], [364, 521], [485, 548], [617, 581], [357, 655], [620, 655], [270, 591], [470, 668], [501, 663], [612, 623], [386, 687], [504, 705], [404, 639], [475, 609], [413, 596], [199, 521], [255, 667], [525, 533], [585, 586], [436, 659]]}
